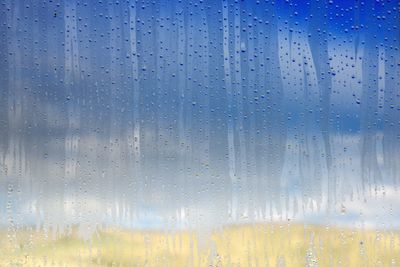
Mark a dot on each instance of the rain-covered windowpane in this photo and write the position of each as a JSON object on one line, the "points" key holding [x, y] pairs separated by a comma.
{"points": [[199, 133]]}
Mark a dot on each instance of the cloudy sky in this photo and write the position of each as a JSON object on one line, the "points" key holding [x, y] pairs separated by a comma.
{"points": [[171, 114]]}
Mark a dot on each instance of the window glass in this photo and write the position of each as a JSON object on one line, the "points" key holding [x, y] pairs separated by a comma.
{"points": [[199, 133]]}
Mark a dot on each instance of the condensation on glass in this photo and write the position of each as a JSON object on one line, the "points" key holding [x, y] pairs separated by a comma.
{"points": [[191, 119]]}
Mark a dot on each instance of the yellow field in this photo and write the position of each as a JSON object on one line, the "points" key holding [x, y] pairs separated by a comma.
{"points": [[252, 245]]}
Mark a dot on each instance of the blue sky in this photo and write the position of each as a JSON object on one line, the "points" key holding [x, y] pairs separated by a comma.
{"points": [[198, 113]]}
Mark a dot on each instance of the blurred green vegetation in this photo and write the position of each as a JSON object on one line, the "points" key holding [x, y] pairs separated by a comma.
{"points": [[245, 245]]}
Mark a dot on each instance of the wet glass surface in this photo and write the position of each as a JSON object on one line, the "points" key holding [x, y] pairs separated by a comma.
{"points": [[199, 133]]}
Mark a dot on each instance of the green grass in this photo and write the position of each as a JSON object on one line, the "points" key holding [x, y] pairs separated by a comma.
{"points": [[247, 245]]}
